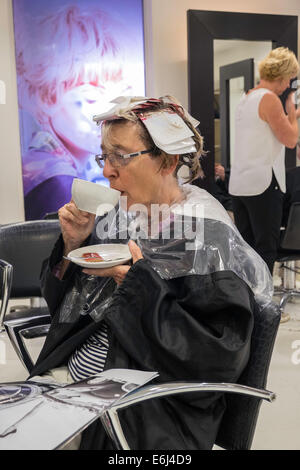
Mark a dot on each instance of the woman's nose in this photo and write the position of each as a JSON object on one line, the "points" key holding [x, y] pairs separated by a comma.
{"points": [[109, 171]]}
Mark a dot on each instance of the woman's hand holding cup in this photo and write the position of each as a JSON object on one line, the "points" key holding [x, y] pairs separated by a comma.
{"points": [[76, 225]]}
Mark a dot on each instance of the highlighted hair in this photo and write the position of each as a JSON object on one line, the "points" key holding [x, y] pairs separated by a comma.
{"points": [[279, 63], [191, 160]]}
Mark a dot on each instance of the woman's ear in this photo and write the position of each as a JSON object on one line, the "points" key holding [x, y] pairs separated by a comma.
{"points": [[171, 164]]}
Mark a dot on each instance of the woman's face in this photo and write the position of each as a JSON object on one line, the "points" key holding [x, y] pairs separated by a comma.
{"points": [[73, 119], [282, 85], [141, 180]]}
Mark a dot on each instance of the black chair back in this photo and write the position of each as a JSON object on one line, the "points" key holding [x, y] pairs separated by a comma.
{"points": [[25, 245], [291, 235], [239, 421]]}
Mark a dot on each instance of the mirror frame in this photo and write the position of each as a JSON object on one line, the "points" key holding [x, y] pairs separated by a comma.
{"points": [[205, 26], [244, 69]]}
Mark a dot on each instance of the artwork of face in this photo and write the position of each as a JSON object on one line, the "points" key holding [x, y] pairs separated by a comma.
{"points": [[73, 118], [72, 58]]}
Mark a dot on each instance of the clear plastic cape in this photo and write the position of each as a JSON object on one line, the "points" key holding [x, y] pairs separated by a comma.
{"points": [[193, 236]]}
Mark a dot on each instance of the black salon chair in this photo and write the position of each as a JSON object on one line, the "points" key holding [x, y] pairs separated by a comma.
{"points": [[243, 399], [288, 253], [24, 246]]}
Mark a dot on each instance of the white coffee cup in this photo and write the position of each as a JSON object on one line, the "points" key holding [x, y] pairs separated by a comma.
{"points": [[93, 197]]}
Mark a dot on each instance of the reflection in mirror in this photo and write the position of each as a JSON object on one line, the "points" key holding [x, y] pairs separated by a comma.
{"points": [[228, 52], [236, 91]]}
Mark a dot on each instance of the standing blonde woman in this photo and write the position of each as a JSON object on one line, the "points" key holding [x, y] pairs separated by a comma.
{"points": [[263, 130]]}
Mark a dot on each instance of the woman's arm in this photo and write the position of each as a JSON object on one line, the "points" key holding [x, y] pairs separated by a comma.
{"points": [[53, 288], [76, 226], [285, 127]]}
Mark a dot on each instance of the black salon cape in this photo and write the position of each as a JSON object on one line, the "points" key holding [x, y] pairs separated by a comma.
{"points": [[194, 328]]}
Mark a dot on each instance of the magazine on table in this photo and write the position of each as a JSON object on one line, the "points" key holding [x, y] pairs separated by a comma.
{"points": [[45, 415]]}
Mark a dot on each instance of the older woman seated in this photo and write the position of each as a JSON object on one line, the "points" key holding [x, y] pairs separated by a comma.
{"points": [[183, 307]]}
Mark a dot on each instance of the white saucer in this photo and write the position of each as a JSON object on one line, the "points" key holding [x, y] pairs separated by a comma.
{"points": [[115, 253]]}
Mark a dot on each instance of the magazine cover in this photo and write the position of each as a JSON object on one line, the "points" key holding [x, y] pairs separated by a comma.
{"points": [[45, 416]]}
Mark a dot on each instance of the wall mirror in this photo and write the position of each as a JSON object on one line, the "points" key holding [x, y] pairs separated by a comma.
{"points": [[224, 50], [235, 72]]}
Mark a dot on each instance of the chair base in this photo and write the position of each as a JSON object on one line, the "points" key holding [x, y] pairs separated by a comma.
{"points": [[286, 296], [285, 317], [288, 291]]}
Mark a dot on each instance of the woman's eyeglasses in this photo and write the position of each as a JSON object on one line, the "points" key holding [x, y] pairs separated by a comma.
{"points": [[117, 160]]}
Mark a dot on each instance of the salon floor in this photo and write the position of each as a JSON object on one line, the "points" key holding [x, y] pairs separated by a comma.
{"points": [[278, 426]]}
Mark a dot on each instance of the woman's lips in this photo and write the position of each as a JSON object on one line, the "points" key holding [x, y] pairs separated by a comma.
{"points": [[120, 190]]}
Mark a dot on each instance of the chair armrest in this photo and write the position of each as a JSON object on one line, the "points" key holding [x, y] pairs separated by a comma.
{"points": [[26, 327], [6, 278], [111, 422]]}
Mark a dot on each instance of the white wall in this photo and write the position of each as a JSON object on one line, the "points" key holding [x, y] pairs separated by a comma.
{"points": [[166, 61], [11, 190]]}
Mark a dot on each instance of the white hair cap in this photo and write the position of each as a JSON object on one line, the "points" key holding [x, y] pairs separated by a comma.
{"points": [[167, 128]]}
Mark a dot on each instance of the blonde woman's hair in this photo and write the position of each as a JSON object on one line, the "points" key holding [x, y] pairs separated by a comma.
{"points": [[279, 63]]}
